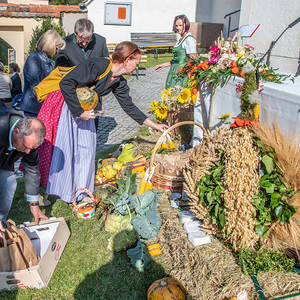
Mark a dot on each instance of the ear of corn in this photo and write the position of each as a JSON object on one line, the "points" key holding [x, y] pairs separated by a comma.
{"points": [[256, 111], [171, 145], [142, 187], [148, 186], [155, 252]]}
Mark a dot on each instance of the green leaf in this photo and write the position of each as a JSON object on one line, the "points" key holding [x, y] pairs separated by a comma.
{"points": [[278, 211], [267, 161], [146, 201], [147, 226], [275, 197], [261, 230], [270, 189], [122, 204], [139, 256]]}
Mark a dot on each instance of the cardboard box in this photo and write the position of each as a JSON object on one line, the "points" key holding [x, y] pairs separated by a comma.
{"points": [[49, 239]]}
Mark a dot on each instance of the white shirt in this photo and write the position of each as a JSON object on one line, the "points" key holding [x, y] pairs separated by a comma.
{"points": [[189, 44]]}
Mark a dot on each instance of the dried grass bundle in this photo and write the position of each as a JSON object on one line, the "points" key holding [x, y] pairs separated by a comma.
{"points": [[284, 237], [241, 184], [210, 271]]}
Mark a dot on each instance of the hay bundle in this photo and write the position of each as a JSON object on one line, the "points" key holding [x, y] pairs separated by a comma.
{"points": [[241, 181], [210, 271], [284, 237]]}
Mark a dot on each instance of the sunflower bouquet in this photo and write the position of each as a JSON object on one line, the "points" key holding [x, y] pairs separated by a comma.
{"points": [[171, 98]]}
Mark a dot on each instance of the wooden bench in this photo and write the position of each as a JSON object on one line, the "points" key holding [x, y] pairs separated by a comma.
{"points": [[111, 48], [145, 39]]}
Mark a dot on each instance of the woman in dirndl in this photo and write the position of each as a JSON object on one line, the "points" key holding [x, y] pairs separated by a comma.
{"points": [[74, 137], [185, 48]]}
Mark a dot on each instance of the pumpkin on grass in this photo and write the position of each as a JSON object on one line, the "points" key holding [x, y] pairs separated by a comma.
{"points": [[166, 289], [88, 98]]}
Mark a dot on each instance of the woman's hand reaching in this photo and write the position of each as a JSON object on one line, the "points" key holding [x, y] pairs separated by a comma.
{"points": [[159, 127]]}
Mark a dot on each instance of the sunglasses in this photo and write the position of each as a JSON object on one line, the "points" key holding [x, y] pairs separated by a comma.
{"points": [[180, 17], [136, 50]]}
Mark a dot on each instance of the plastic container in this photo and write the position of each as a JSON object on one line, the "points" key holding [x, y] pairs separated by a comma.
{"points": [[186, 216], [174, 199], [199, 238], [192, 226]]}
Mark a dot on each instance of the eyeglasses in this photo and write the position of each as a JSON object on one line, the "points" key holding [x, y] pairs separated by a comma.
{"points": [[136, 50], [81, 40]]}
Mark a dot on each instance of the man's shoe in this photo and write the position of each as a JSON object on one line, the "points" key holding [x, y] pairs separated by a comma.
{"points": [[43, 201]]}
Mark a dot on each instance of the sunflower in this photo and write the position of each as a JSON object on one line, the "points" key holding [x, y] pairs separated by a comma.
{"points": [[184, 96], [153, 106], [164, 94], [161, 112]]}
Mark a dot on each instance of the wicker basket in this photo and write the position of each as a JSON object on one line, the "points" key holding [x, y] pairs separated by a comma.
{"points": [[163, 181]]}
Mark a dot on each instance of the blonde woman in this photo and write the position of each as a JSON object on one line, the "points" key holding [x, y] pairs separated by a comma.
{"points": [[5, 86], [38, 65]]}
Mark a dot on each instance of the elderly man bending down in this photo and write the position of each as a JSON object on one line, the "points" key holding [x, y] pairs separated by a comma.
{"points": [[19, 138]]}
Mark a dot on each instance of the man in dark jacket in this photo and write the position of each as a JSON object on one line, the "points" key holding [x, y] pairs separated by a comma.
{"points": [[81, 45], [19, 138]]}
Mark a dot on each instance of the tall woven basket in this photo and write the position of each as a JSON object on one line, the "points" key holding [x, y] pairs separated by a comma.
{"points": [[163, 181]]}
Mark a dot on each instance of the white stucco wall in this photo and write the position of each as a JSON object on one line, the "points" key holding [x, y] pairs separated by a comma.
{"points": [[69, 20], [147, 16], [274, 16]]}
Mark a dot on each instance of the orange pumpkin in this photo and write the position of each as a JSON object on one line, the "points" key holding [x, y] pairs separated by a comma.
{"points": [[88, 98], [166, 288]]}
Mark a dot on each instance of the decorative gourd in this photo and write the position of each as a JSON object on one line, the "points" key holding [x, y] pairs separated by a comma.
{"points": [[88, 98], [165, 289], [103, 192]]}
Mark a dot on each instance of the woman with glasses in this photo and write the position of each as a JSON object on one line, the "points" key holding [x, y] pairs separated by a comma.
{"points": [[73, 159], [184, 49], [39, 65]]}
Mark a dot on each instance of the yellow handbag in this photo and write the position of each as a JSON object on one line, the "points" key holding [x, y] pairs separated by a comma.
{"points": [[51, 82]]}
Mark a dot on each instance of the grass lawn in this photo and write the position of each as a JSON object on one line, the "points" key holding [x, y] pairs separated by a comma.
{"points": [[86, 270]]}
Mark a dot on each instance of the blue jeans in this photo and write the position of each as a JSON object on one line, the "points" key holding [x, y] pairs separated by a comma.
{"points": [[8, 185]]}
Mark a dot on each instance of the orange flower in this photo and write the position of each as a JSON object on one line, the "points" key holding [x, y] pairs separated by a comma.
{"points": [[199, 66], [264, 72], [242, 73], [233, 64], [194, 91], [189, 75], [205, 66], [180, 70], [189, 63], [205, 62], [235, 70], [271, 76]]}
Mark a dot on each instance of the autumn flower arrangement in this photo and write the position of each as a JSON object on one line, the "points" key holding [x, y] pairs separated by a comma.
{"points": [[227, 59], [172, 98]]}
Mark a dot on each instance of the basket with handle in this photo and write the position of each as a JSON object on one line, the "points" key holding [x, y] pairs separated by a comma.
{"points": [[163, 181], [87, 209]]}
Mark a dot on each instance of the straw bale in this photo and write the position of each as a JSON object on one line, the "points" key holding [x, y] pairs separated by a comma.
{"points": [[210, 271]]}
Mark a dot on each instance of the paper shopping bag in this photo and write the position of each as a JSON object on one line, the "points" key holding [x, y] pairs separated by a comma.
{"points": [[24, 244], [11, 258]]}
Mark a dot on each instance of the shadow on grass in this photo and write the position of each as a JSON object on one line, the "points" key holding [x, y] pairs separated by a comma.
{"points": [[119, 280]]}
